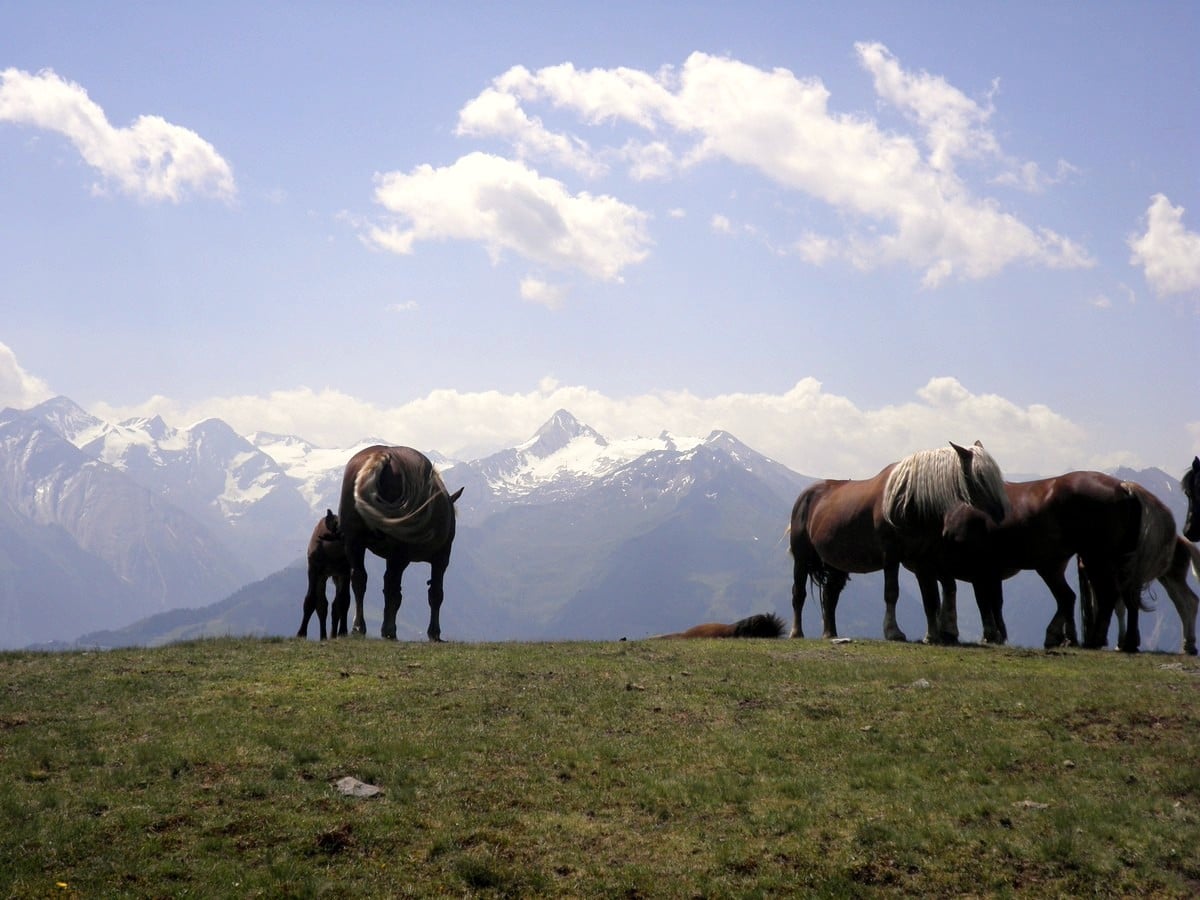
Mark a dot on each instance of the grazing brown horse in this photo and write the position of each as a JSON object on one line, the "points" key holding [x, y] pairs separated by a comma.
{"points": [[1123, 535], [326, 559], [1191, 490], [762, 625], [395, 505], [844, 526]]}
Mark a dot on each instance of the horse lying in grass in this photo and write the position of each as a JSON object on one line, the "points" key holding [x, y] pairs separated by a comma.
{"points": [[1123, 535], [395, 505], [762, 625], [326, 559], [844, 526]]}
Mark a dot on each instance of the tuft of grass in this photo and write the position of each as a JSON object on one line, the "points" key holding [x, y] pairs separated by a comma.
{"points": [[690, 768]]}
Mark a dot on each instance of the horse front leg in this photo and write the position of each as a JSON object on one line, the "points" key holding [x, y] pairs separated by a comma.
{"points": [[1061, 630], [948, 614], [392, 596], [891, 596], [929, 599], [831, 590], [989, 597]]}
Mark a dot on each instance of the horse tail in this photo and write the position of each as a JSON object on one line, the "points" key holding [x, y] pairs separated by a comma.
{"points": [[762, 625], [1155, 547], [412, 517], [800, 543], [927, 484]]}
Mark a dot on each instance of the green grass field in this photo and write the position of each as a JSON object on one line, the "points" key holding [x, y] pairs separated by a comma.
{"points": [[641, 769]]}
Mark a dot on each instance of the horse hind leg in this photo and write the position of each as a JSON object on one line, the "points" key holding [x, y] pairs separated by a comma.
{"points": [[1182, 596], [392, 597], [831, 590], [799, 583], [1061, 630], [341, 606], [436, 595]]}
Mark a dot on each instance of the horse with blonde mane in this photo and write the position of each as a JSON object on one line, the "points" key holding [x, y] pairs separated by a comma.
{"points": [[839, 527], [395, 505]]}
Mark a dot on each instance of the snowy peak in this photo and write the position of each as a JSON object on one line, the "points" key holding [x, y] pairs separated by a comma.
{"points": [[68, 419], [560, 431]]}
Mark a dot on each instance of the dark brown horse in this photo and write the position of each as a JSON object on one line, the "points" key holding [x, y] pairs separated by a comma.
{"points": [[326, 559], [1191, 490], [395, 505], [1123, 535], [844, 526], [762, 625]]}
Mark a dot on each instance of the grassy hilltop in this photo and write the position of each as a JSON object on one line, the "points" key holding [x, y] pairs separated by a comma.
{"points": [[656, 768]]}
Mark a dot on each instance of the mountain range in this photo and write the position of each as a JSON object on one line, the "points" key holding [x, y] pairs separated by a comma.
{"points": [[141, 533]]}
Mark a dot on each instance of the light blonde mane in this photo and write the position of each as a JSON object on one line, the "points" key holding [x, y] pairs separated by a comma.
{"points": [[413, 517], [925, 485]]}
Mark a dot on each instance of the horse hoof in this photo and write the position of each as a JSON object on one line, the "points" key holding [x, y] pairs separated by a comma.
{"points": [[1190, 649]]}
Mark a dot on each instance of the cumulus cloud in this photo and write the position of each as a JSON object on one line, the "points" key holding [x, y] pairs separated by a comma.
{"points": [[543, 293], [904, 204], [151, 159], [1167, 252], [18, 388], [505, 205], [806, 427]]}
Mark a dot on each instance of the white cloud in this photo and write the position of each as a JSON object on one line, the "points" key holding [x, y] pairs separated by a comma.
{"points": [[151, 159], [720, 224], [18, 388], [954, 124], [505, 205], [543, 293], [716, 108], [806, 428], [1168, 253]]}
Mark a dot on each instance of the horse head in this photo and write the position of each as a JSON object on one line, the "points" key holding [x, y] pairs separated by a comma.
{"points": [[332, 530], [984, 480], [1191, 490]]}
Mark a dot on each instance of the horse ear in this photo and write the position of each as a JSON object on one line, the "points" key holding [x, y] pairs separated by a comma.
{"points": [[1196, 464], [964, 454], [454, 497]]}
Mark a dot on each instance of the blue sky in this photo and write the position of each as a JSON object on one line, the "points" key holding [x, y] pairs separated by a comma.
{"points": [[841, 231]]}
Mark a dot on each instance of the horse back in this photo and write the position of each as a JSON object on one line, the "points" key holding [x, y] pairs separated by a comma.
{"points": [[839, 520], [399, 472]]}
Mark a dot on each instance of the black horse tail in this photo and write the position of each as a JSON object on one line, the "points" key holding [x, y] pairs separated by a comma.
{"points": [[1155, 543], [762, 625]]}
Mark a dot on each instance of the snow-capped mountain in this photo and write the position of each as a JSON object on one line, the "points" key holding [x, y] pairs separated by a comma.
{"points": [[239, 492], [152, 554], [567, 534]]}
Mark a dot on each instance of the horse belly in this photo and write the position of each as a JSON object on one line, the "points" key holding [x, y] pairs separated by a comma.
{"points": [[847, 543]]}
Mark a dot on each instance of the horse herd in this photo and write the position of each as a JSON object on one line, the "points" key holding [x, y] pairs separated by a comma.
{"points": [[946, 514]]}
